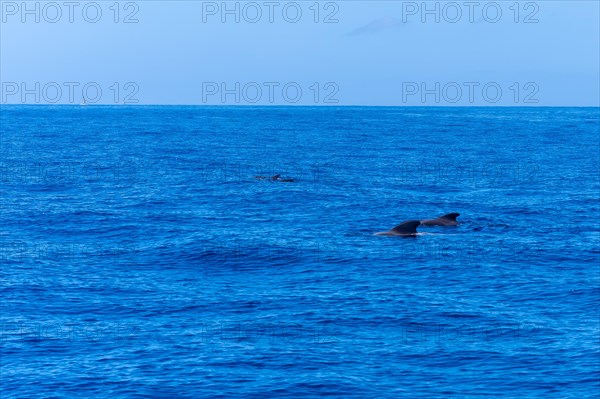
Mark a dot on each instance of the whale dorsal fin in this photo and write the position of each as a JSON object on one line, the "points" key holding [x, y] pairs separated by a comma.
{"points": [[450, 216], [408, 227]]}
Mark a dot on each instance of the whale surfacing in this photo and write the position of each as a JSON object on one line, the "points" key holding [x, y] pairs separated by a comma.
{"points": [[446, 220], [405, 229], [275, 178]]}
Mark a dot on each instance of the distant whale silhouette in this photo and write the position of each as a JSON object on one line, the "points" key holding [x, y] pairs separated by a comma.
{"points": [[405, 229], [275, 178], [446, 220]]}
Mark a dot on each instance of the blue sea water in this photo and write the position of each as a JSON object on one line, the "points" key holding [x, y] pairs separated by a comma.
{"points": [[142, 259]]}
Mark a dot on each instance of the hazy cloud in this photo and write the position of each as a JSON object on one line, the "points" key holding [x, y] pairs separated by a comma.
{"points": [[379, 25]]}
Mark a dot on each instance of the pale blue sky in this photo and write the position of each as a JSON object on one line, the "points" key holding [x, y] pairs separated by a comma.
{"points": [[378, 53]]}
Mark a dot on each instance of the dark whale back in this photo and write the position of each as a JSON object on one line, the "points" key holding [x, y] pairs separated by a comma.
{"points": [[446, 220], [450, 216], [408, 227]]}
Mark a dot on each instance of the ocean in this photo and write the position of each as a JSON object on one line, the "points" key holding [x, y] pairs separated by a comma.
{"points": [[142, 258]]}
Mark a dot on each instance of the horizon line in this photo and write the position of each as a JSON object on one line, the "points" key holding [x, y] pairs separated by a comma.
{"points": [[298, 106]]}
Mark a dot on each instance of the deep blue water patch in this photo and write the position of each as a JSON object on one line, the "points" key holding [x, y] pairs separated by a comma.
{"points": [[141, 258]]}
